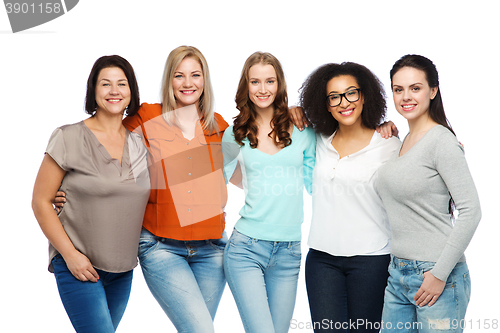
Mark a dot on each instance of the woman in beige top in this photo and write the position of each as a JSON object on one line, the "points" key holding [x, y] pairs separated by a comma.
{"points": [[103, 168]]}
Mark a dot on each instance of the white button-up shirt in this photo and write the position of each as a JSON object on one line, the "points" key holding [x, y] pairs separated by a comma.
{"points": [[348, 216]]}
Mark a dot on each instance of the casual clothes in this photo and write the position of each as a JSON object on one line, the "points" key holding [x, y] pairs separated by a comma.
{"points": [[273, 185], [262, 259], [188, 192], [106, 202], [416, 189], [184, 221], [346, 267]]}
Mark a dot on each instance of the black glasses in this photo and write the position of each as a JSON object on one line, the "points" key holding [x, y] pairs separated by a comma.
{"points": [[351, 96]]}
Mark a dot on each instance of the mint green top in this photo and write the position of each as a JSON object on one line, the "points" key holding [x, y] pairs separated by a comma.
{"points": [[273, 185]]}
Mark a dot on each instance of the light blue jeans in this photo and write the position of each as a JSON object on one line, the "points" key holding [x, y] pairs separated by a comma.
{"points": [[400, 313], [186, 278], [263, 278]]}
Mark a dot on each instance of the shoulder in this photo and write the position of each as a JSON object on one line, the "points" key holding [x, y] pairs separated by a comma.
{"points": [[223, 125], [307, 136], [444, 143], [71, 130], [308, 132], [228, 134], [150, 110], [391, 143]]}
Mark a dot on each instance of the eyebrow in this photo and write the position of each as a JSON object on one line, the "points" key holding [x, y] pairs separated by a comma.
{"points": [[346, 90], [254, 78], [413, 84], [195, 71], [104, 79]]}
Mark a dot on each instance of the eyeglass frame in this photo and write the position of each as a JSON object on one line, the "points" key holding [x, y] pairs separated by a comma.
{"points": [[344, 96]]}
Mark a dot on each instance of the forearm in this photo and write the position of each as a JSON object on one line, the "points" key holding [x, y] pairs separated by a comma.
{"points": [[52, 227]]}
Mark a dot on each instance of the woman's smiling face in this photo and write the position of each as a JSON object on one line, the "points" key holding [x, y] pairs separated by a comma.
{"points": [[346, 113], [188, 82], [412, 93]]}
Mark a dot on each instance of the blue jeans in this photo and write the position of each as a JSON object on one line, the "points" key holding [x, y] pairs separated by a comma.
{"points": [[186, 278], [263, 278], [346, 294], [402, 315], [93, 307]]}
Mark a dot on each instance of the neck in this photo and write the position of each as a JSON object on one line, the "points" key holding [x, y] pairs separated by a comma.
{"points": [[264, 116], [187, 115], [352, 131], [421, 124], [107, 123]]}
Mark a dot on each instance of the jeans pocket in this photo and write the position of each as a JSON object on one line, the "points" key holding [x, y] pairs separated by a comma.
{"points": [[237, 238], [467, 286], [295, 249], [146, 246], [218, 244]]}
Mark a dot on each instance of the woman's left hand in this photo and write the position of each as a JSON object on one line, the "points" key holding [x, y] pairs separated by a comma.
{"points": [[429, 291]]}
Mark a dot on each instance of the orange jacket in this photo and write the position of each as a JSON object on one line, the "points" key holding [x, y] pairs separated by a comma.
{"points": [[188, 191]]}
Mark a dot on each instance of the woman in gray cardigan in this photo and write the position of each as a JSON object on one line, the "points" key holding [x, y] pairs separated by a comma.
{"points": [[429, 284]]}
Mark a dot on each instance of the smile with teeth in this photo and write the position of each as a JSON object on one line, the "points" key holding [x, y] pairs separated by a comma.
{"points": [[347, 112], [408, 107], [187, 92], [263, 98], [113, 100]]}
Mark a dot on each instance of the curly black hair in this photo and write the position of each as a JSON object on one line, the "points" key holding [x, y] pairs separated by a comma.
{"points": [[314, 103]]}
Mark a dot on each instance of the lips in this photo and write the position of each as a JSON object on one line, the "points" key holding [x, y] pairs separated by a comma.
{"points": [[188, 92], [347, 112], [408, 107], [263, 98]]}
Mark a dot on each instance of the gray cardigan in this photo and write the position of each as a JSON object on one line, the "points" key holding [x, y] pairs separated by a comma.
{"points": [[415, 189]]}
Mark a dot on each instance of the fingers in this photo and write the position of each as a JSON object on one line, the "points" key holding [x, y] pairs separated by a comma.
{"points": [[59, 201], [424, 298], [296, 114], [81, 268], [429, 291]]}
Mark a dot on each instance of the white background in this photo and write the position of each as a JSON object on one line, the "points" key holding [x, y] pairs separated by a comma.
{"points": [[43, 72]]}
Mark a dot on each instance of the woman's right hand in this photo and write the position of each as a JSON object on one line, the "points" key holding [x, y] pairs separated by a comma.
{"points": [[81, 268]]}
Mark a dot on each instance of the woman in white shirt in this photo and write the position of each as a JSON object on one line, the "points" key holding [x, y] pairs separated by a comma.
{"points": [[346, 267]]}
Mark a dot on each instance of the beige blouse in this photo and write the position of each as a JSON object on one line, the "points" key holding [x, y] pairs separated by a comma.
{"points": [[105, 200]]}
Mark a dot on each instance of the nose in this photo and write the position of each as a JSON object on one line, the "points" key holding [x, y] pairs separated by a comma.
{"points": [[188, 82], [114, 89], [406, 95], [262, 88], [344, 102]]}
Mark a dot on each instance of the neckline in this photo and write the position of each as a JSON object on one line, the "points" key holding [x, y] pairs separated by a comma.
{"points": [[279, 151], [329, 140], [105, 152], [416, 143]]}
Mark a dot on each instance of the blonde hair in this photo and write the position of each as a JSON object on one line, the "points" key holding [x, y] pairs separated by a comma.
{"points": [[206, 102]]}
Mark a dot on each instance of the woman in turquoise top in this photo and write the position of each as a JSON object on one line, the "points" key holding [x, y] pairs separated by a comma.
{"points": [[262, 259]]}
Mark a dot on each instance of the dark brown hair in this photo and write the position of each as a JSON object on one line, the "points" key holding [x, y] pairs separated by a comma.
{"points": [[124, 65], [245, 125], [436, 108]]}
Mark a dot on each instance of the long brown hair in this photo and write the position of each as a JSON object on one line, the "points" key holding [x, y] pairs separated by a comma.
{"points": [[245, 125]]}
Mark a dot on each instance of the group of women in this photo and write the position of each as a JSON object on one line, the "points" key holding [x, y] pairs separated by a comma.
{"points": [[384, 250]]}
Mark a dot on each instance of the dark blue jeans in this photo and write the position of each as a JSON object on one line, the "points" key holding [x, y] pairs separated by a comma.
{"points": [[346, 294], [93, 307]]}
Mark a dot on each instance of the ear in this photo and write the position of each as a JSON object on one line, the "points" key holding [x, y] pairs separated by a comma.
{"points": [[434, 92]]}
